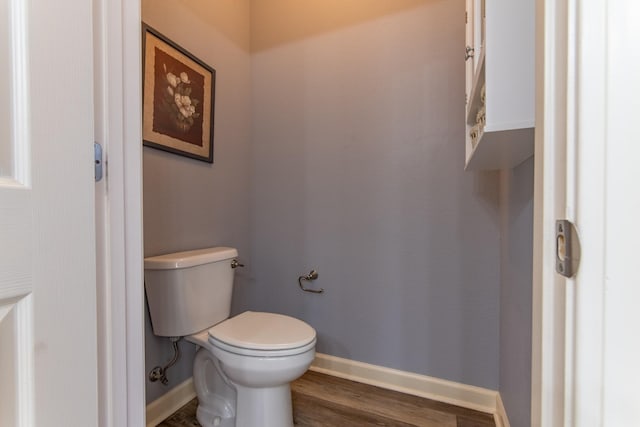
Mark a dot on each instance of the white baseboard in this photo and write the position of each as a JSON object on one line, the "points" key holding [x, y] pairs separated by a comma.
{"points": [[500, 416], [161, 408], [467, 396]]}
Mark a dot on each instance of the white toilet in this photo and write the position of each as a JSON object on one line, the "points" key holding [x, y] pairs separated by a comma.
{"points": [[245, 364]]}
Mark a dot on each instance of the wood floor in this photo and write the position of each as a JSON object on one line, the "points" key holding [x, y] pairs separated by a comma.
{"points": [[324, 401]]}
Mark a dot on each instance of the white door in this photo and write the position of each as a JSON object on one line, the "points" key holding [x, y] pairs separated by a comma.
{"points": [[48, 368], [586, 350], [602, 381]]}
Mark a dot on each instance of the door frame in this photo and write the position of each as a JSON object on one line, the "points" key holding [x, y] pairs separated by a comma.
{"points": [[120, 250], [117, 61], [584, 369], [548, 298]]}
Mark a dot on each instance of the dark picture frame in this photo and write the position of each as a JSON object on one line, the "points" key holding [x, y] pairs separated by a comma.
{"points": [[178, 98]]}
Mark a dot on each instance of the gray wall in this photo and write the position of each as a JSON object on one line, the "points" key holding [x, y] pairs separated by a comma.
{"points": [[190, 204], [516, 200], [358, 172]]}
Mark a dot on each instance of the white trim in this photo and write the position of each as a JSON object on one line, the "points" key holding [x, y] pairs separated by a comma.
{"points": [[132, 255], [161, 408], [119, 213], [500, 415], [467, 396], [548, 302]]}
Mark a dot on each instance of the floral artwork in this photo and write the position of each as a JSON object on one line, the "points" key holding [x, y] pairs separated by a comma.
{"points": [[178, 99]]}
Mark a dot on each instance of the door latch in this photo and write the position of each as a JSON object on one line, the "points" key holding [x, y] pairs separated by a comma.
{"points": [[97, 159], [567, 248]]}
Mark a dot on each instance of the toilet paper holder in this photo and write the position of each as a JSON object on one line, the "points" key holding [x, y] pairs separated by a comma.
{"points": [[313, 275]]}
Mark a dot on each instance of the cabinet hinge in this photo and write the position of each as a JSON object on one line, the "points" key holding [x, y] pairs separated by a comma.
{"points": [[97, 159], [567, 248]]}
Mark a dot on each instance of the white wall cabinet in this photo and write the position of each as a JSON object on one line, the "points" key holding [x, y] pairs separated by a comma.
{"points": [[500, 83]]}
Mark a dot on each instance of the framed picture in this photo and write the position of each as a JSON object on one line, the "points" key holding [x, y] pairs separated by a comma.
{"points": [[178, 98]]}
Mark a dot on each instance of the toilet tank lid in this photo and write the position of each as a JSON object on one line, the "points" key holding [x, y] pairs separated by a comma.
{"points": [[189, 258]]}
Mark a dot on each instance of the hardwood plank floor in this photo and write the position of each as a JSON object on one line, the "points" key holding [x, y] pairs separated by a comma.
{"points": [[325, 401]]}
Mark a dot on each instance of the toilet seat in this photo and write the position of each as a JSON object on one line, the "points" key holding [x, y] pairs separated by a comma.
{"points": [[263, 335]]}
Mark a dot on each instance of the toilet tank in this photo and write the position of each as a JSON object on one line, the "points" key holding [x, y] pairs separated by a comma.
{"points": [[190, 291]]}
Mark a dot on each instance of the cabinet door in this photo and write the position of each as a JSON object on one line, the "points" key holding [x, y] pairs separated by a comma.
{"points": [[468, 46], [474, 39], [478, 31]]}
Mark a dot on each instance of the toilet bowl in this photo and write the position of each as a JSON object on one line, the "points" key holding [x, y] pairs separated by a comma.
{"points": [[250, 359], [244, 364]]}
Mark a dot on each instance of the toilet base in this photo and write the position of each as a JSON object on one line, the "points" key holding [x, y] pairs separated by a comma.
{"points": [[221, 404], [275, 403], [216, 398], [212, 418], [264, 407]]}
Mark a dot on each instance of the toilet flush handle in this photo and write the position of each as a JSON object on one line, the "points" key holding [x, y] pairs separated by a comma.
{"points": [[235, 264]]}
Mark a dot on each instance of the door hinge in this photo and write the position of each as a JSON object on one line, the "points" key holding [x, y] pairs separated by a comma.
{"points": [[468, 53], [567, 248], [97, 159]]}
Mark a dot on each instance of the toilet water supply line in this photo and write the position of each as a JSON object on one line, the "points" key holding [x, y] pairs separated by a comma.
{"points": [[160, 373]]}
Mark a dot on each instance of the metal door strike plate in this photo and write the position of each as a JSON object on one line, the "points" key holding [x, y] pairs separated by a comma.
{"points": [[567, 248]]}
